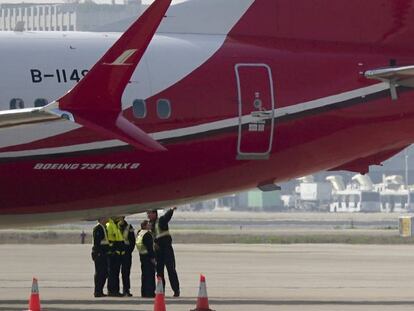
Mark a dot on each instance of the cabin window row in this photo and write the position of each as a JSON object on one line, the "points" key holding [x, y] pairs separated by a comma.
{"points": [[139, 108], [18, 103]]}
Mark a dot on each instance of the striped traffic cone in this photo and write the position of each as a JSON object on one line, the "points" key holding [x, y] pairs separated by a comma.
{"points": [[159, 303], [34, 301], [202, 300]]}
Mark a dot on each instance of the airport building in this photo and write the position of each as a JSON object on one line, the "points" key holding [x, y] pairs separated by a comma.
{"points": [[67, 16]]}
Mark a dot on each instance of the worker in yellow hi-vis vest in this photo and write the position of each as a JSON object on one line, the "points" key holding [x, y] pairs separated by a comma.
{"points": [[126, 259], [145, 246], [117, 250]]}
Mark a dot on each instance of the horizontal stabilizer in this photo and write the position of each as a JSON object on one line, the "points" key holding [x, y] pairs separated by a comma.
{"points": [[395, 76], [403, 76]]}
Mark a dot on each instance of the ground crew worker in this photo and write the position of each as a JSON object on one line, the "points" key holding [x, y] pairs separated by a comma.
{"points": [[126, 259], [145, 246], [116, 239], [164, 253], [100, 251], [83, 236]]}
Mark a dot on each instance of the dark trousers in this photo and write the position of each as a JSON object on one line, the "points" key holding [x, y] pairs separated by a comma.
{"points": [[126, 262], [165, 258], [147, 276], [101, 273], [114, 267]]}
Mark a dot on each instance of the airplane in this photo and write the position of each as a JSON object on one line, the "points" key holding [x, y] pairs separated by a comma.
{"points": [[272, 91]]}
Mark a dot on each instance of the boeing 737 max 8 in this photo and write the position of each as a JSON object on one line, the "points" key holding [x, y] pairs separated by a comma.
{"points": [[271, 90]]}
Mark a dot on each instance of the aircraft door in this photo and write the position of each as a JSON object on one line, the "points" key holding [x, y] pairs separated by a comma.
{"points": [[256, 107]]}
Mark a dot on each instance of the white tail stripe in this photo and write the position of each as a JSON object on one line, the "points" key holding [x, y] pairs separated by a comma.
{"points": [[121, 60]]}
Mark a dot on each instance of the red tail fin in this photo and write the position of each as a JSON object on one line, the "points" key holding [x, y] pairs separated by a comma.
{"points": [[102, 88], [95, 102]]}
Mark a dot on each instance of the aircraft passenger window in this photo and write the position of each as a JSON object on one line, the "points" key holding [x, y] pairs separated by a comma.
{"points": [[163, 108], [16, 103], [40, 102], [139, 107]]}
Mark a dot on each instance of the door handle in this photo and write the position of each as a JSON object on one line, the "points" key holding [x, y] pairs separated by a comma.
{"points": [[262, 114]]}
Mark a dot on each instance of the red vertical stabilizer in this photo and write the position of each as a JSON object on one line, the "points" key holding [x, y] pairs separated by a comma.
{"points": [[95, 102]]}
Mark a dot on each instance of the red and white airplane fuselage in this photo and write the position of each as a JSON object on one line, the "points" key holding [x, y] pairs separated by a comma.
{"points": [[211, 113]]}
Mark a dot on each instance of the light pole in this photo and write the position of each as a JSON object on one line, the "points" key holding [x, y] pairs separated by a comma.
{"points": [[406, 179]]}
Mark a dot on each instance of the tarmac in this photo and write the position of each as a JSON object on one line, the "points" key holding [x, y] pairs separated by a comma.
{"points": [[239, 277]]}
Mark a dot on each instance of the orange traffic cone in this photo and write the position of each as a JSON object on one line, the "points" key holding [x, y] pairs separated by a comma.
{"points": [[159, 303], [202, 300], [34, 301]]}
